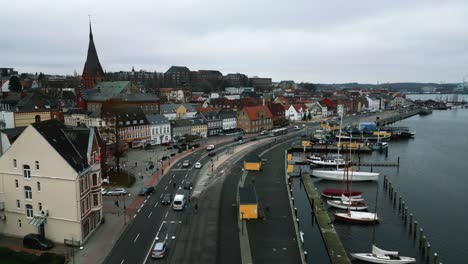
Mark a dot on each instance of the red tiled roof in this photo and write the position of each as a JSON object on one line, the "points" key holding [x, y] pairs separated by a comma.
{"points": [[202, 109], [252, 111], [299, 106]]}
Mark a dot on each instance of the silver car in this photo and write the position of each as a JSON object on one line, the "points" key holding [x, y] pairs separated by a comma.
{"points": [[159, 250], [118, 191]]}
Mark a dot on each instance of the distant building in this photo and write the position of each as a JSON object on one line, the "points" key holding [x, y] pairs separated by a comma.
{"points": [[92, 71], [177, 76], [236, 79], [54, 188], [296, 112], [289, 85], [178, 111], [192, 126], [213, 122], [229, 119], [260, 83], [278, 112]]}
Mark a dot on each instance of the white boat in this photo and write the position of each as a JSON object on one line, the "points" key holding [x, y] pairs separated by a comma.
{"points": [[382, 256], [313, 158], [329, 162], [337, 175], [348, 204], [357, 217]]}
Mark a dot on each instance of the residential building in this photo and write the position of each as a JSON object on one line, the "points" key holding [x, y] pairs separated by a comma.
{"points": [[296, 112], [123, 93], [260, 83], [317, 110], [192, 126], [78, 117], [210, 76], [374, 102], [7, 119], [53, 188], [238, 90], [178, 111], [213, 122], [160, 128], [229, 119], [92, 71], [278, 112], [199, 127], [254, 119], [177, 76]]}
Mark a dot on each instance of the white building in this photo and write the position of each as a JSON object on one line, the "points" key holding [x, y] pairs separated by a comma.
{"points": [[7, 119], [160, 129], [317, 110], [229, 118], [50, 183], [373, 103], [296, 112], [78, 117]]}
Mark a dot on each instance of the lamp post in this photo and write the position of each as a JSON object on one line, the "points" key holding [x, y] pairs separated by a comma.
{"points": [[242, 221]]}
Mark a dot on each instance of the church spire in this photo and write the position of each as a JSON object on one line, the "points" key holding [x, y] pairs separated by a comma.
{"points": [[92, 71]]}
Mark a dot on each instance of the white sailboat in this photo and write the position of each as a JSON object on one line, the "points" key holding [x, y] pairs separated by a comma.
{"points": [[348, 204], [337, 175], [329, 162], [383, 256]]}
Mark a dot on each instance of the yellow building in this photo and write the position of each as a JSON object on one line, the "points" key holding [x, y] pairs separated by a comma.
{"points": [[252, 163], [199, 127], [23, 119], [248, 203], [330, 126]]}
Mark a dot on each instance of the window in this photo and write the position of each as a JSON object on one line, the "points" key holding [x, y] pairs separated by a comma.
{"points": [[95, 179], [38, 186], [16, 184], [27, 171], [29, 210], [37, 165], [14, 163], [27, 192], [18, 204], [19, 223], [40, 206], [95, 199]]}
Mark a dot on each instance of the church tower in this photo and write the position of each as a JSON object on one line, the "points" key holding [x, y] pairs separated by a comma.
{"points": [[92, 72]]}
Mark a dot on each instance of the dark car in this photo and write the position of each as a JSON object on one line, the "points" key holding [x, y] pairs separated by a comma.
{"points": [[35, 241], [164, 158], [173, 154], [238, 138], [211, 153], [188, 185], [146, 191], [253, 139], [167, 199], [169, 147]]}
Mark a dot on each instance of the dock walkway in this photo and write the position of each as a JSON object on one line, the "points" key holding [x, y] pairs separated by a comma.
{"points": [[333, 243]]}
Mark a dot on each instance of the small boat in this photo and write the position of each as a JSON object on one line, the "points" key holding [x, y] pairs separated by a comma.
{"points": [[357, 217], [380, 146], [383, 256], [314, 157], [348, 204], [337, 193], [337, 175]]}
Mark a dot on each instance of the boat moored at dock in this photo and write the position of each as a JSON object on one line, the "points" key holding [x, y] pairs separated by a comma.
{"points": [[383, 256]]}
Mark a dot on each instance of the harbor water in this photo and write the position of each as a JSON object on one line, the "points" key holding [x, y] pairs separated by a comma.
{"points": [[432, 181]]}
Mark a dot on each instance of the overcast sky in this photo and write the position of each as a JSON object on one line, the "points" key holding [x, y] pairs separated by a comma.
{"points": [[322, 41]]}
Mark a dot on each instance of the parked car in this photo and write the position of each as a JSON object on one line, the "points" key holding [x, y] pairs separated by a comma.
{"points": [[118, 191], [238, 138], [169, 147], [167, 199], [159, 250], [198, 165], [211, 153], [186, 163], [146, 191], [188, 185], [173, 154], [103, 191], [164, 158], [35, 241], [263, 132]]}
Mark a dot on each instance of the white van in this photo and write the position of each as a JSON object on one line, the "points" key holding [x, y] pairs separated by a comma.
{"points": [[210, 147], [179, 202]]}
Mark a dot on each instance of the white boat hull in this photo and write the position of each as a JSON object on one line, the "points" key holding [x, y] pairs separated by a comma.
{"points": [[328, 162], [358, 217], [369, 257], [338, 175], [346, 206]]}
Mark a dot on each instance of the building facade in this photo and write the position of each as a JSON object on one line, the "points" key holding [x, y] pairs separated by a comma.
{"points": [[160, 129], [53, 189], [254, 119]]}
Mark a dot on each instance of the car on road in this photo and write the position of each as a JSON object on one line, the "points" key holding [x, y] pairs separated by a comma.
{"points": [[146, 191], [167, 199], [164, 157], [238, 138], [35, 241], [211, 153], [159, 250], [117, 191], [263, 132], [103, 191], [173, 154], [186, 163], [210, 147], [198, 165], [188, 185]]}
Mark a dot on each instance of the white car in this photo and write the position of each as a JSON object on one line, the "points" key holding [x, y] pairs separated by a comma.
{"points": [[210, 147], [118, 191], [198, 165], [186, 163], [103, 191]]}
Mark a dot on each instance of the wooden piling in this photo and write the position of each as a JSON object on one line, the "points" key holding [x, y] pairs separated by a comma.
{"points": [[399, 203], [415, 228], [411, 222], [435, 258]]}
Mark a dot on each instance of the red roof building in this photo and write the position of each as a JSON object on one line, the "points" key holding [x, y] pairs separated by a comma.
{"points": [[254, 119]]}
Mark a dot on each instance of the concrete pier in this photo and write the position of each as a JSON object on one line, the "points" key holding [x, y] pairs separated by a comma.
{"points": [[333, 243]]}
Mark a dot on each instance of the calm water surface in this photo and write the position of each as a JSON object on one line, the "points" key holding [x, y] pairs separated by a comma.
{"points": [[432, 180]]}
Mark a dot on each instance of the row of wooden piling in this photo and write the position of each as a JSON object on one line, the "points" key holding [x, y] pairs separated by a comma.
{"points": [[296, 216], [410, 222]]}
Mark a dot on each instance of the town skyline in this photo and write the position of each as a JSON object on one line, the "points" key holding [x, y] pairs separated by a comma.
{"points": [[372, 44]]}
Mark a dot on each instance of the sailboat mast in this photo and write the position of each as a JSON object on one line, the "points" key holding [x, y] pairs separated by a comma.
{"points": [[339, 138]]}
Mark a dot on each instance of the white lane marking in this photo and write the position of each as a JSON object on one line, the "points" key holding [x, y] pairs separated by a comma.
{"points": [[173, 175], [162, 194], [136, 238], [165, 188], [166, 214], [152, 243], [182, 181], [170, 181], [150, 214], [123, 260], [156, 204], [185, 175]]}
